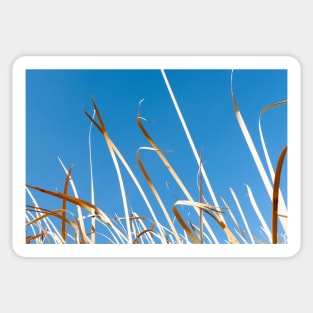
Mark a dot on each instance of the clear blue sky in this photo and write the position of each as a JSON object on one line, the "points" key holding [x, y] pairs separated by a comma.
{"points": [[57, 126]]}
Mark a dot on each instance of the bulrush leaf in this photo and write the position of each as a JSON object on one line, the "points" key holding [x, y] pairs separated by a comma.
{"points": [[275, 194]]}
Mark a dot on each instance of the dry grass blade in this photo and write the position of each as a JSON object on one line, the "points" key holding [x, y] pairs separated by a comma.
{"points": [[242, 235], [157, 196], [149, 230], [275, 194], [200, 199], [93, 220], [46, 221], [46, 213], [79, 211], [184, 225], [29, 239], [68, 177], [84, 204]]}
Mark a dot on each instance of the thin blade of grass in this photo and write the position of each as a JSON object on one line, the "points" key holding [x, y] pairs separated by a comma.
{"points": [[93, 220], [184, 225], [242, 215], [149, 230], [64, 204], [200, 199], [79, 211], [234, 219], [157, 196], [259, 214], [29, 239], [276, 194]]}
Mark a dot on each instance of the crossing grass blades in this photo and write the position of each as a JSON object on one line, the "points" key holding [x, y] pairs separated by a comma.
{"points": [[89, 224]]}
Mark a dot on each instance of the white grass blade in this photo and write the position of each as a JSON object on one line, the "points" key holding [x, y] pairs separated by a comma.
{"points": [[190, 140], [241, 236], [123, 194], [242, 215], [259, 214], [93, 220]]}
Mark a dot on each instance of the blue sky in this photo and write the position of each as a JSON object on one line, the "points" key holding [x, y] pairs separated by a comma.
{"points": [[57, 126]]}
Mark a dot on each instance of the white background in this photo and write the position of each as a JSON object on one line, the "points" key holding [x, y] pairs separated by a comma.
{"points": [[154, 28]]}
